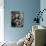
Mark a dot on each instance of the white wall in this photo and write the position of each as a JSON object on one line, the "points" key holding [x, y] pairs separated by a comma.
{"points": [[43, 6], [1, 21]]}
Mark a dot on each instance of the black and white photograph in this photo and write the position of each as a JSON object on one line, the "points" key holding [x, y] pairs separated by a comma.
{"points": [[17, 19]]}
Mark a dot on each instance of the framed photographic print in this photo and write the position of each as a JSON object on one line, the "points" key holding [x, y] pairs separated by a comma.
{"points": [[17, 19]]}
